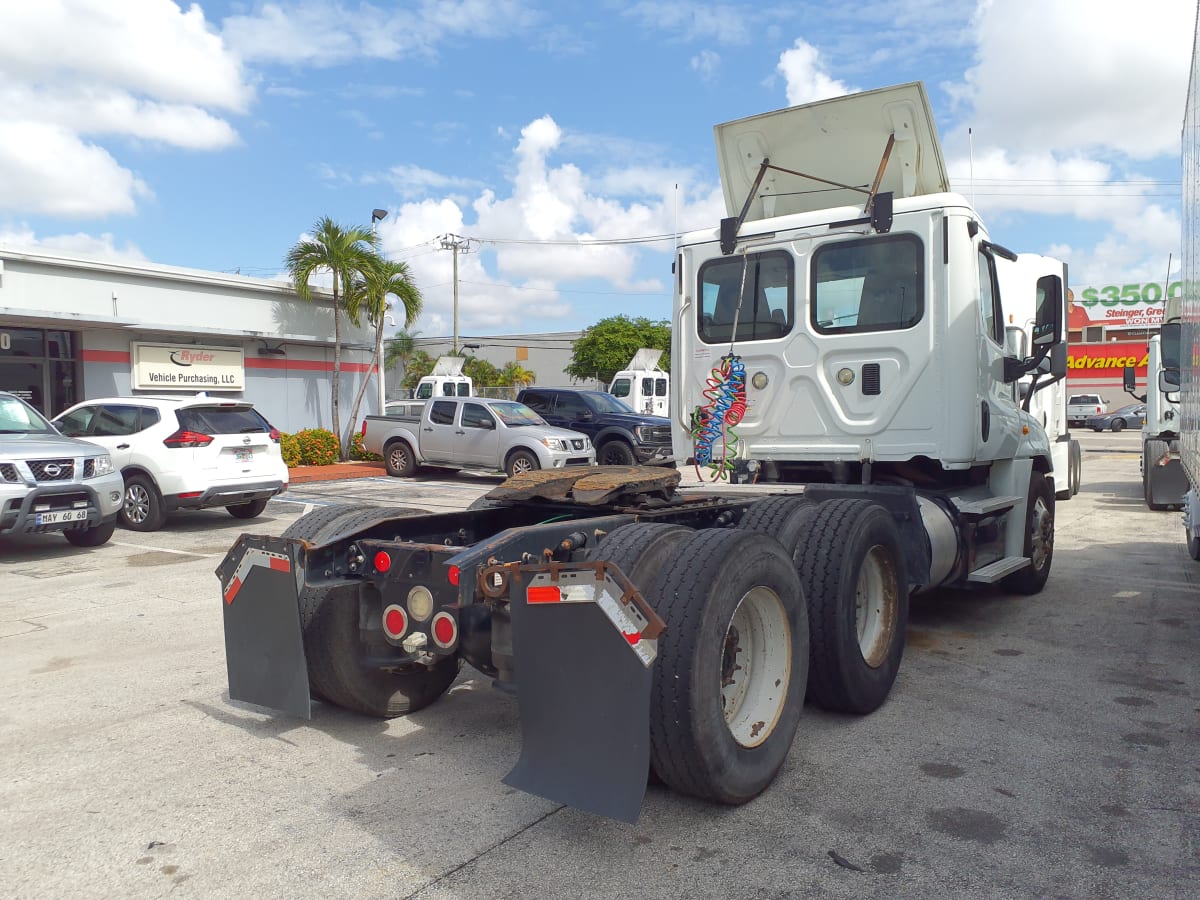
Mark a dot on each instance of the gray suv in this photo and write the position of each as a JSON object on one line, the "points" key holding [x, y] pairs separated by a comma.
{"points": [[53, 483]]}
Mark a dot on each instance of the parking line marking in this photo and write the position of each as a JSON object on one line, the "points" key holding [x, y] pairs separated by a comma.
{"points": [[166, 550]]}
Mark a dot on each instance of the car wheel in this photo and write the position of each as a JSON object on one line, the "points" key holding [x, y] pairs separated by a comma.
{"points": [[247, 510], [143, 509], [398, 459], [615, 453], [91, 537], [521, 461], [1118, 424]]}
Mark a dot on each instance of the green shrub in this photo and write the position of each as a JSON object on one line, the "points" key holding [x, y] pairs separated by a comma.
{"points": [[289, 445], [357, 451], [318, 447]]}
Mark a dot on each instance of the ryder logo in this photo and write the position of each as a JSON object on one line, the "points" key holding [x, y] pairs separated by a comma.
{"points": [[190, 357]]}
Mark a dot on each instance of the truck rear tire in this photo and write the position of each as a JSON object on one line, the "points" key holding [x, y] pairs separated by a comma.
{"points": [[784, 518], [728, 686], [1039, 540], [325, 613], [853, 571], [329, 620], [1076, 467], [1193, 544], [398, 459]]}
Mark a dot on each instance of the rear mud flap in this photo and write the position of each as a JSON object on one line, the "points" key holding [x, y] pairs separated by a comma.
{"points": [[264, 650], [583, 655], [1167, 483]]}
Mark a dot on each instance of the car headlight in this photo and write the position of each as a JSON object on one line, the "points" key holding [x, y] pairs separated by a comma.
{"points": [[554, 443], [643, 433], [102, 466]]}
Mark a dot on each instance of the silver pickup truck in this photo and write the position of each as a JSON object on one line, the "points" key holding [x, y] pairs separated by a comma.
{"points": [[1080, 407], [473, 433], [53, 483]]}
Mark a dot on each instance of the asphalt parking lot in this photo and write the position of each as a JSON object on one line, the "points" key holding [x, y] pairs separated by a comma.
{"points": [[1032, 747]]}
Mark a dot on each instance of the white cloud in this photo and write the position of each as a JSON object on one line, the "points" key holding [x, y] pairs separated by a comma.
{"points": [[536, 239], [807, 80], [47, 169], [319, 33], [705, 64], [1080, 73], [78, 245], [75, 72]]}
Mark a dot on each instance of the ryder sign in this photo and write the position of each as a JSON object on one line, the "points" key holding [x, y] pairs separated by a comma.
{"points": [[186, 367]]}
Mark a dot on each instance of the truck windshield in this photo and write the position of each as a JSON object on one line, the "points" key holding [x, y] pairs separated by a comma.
{"points": [[517, 414], [868, 285]]}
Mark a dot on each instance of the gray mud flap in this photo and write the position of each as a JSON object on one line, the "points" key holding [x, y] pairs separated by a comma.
{"points": [[583, 643], [264, 650]]}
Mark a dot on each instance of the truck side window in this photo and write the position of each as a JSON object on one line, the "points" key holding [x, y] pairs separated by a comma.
{"points": [[758, 291], [475, 415], [988, 299], [447, 389], [660, 387], [620, 387], [571, 406], [464, 389], [876, 284], [442, 412], [424, 391], [537, 402]]}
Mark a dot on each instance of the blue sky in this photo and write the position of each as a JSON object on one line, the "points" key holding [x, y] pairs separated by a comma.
{"points": [[556, 135]]}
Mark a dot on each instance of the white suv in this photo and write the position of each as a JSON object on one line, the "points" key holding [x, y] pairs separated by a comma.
{"points": [[190, 452]]}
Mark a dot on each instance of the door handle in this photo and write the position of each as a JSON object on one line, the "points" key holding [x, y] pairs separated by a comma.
{"points": [[427, 429], [122, 446], [460, 431]]}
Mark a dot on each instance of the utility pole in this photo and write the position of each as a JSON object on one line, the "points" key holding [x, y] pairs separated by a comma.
{"points": [[458, 245]]}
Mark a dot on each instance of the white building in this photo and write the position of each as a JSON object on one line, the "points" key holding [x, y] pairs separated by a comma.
{"points": [[74, 329]]}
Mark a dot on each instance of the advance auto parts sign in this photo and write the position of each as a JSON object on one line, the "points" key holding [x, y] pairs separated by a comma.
{"points": [[186, 367], [1106, 360]]}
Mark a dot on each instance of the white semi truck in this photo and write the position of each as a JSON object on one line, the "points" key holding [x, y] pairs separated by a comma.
{"points": [[642, 384], [1180, 334], [1164, 481], [846, 332]]}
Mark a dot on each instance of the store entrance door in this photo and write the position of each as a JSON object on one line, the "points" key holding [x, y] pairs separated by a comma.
{"points": [[27, 380]]}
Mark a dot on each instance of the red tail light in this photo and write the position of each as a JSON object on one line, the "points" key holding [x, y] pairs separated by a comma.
{"points": [[274, 435], [362, 432], [445, 630], [185, 438]]}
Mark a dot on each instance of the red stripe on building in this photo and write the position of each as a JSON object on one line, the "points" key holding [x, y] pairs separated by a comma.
{"points": [[106, 356], [304, 365]]}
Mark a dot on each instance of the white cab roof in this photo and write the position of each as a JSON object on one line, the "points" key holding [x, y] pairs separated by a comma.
{"points": [[840, 140]]}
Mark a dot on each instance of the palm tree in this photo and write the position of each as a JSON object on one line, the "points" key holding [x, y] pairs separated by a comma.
{"points": [[384, 278], [344, 253]]}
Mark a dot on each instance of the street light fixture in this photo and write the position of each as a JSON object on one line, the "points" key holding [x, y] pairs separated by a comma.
{"points": [[377, 215]]}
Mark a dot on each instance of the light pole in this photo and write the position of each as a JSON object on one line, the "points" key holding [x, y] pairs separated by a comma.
{"points": [[376, 216]]}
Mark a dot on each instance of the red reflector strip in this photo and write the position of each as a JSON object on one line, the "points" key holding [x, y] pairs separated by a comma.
{"points": [[544, 594], [255, 557]]}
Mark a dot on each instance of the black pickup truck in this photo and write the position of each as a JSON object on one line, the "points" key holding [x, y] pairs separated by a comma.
{"points": [[621, 436]]}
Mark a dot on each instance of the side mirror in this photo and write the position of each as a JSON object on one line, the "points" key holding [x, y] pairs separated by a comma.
{"points": [[1047, 323], [1014, 342], [1130, 379], [1168, 380], [1058, 360], [1169, 337]]}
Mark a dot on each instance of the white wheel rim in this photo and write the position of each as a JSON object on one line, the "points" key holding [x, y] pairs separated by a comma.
{"points": [[875, 600], [756, 666], [521, 464]]}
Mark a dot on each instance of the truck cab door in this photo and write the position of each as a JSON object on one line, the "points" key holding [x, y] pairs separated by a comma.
{"points": [[479, 437], [997, 420], [438, 431]]}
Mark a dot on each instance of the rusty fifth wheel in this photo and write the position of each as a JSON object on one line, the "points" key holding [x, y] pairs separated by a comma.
{"points": [[852, 569], [729, 683]]}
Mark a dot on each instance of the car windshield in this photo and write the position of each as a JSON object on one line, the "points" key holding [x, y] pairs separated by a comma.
{"points": [[516, 414], [18, 417], [607, 403]]}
